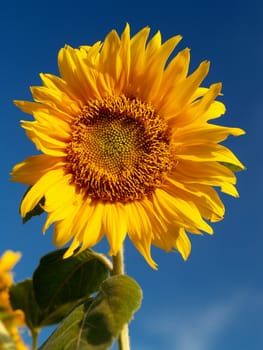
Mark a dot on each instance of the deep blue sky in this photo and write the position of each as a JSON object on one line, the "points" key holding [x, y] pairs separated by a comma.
{"points": [[215, 299]]}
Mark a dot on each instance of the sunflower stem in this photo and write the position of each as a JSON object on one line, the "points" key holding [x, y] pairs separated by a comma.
{"points": [[34, 335], [118, 269]]}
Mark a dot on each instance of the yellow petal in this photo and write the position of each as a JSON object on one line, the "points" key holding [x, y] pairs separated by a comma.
{"points": [[125, 59], [205, 197], [205, 133], [229, 189], [209, 152], [153, 45], [56, 99], [69, 70], [185, 210], [74, 245], [45, 131], [31, 169], [53, 82], [140, 230], [115, 226], [184, 92], [64, 229], [34, 108], [183, 244], [8, 260], [154, 70], [91, 232], [38, 191], [59, 208], [110, 62], [172, 76], [138, 43], [46, 144], [200, 107]]}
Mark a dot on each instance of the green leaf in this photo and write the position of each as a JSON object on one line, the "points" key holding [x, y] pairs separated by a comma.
{"points": [[233, 167], [94, 325], [61, 284], [6, 342], [22, 297], [37, 210], [58, 286]]}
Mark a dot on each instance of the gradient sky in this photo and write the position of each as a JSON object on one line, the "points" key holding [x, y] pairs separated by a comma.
{"points": [[215, 299]]}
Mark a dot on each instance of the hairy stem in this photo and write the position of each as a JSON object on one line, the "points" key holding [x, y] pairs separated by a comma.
{"points": [[118, 269], [34, 334]]}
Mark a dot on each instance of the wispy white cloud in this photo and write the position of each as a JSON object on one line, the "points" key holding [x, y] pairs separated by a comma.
{"points": [[201, 326]]}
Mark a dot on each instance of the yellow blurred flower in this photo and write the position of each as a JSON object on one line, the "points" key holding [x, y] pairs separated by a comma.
{"points": [[128, 147], [10, 318]]}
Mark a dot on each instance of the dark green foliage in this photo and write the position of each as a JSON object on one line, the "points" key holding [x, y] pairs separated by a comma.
{"points": [[95, 325]]}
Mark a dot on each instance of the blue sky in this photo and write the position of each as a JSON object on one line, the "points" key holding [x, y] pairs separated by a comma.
{"points": [[215, 299]]}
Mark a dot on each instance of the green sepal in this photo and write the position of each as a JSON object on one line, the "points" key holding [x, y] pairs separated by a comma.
{"points": [[95, 325], [61, 284], [36, 211], [233, 167]]}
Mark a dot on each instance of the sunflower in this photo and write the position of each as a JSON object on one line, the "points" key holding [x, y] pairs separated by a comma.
{"points": [[11, 319], [127, 147]]}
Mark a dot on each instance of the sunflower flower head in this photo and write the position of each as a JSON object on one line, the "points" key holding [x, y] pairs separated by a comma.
{"points": [[127, 146], [11, 319]]}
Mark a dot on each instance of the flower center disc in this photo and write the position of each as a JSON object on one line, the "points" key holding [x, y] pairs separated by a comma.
{"points": [[119, 149]]}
